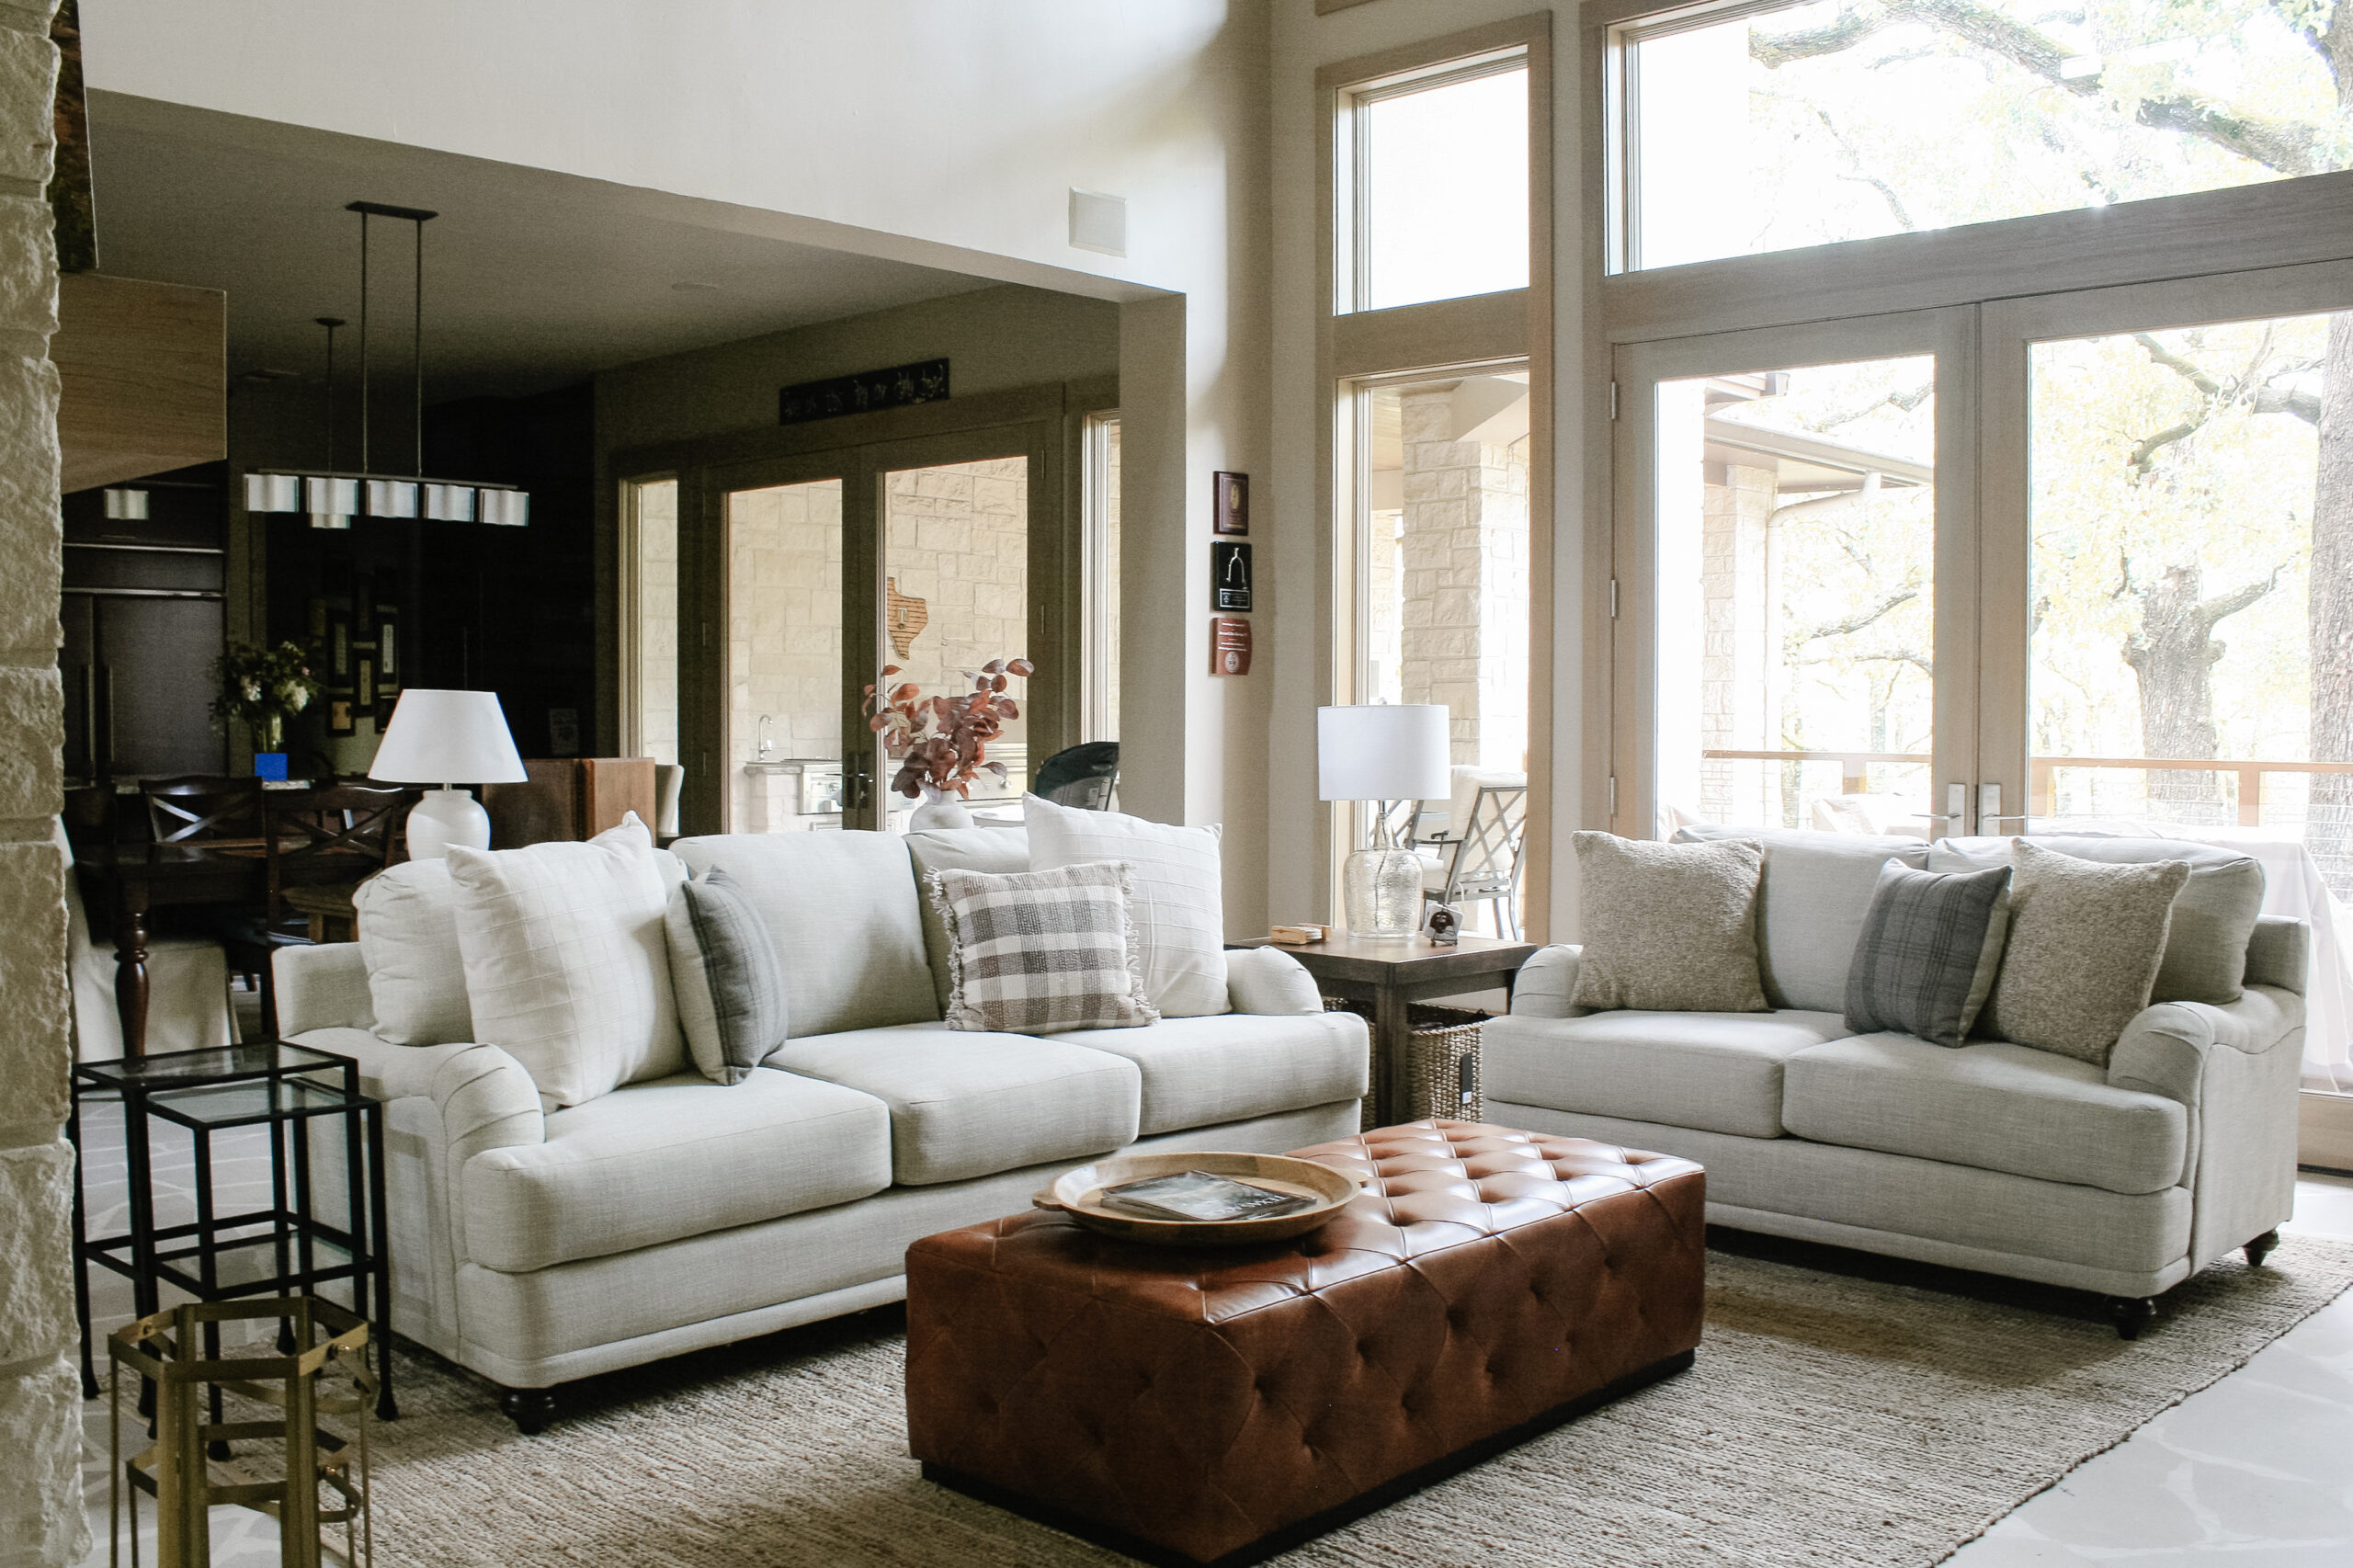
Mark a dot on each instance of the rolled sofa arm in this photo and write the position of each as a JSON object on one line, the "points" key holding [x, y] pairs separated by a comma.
{"points": [[486, 1101], [1545, 984], [320, 987], [2280, 953], [1268, 981], [2164, 1051]]}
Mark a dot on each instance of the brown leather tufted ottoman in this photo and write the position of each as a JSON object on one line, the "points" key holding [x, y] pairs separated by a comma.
{"points": [[1205, 1407]]}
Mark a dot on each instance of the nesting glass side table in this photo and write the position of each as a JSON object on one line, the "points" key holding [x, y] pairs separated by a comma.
{"points": [[286, 1248]]}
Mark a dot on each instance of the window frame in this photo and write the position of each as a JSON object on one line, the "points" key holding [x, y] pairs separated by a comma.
{"points": [[1354, 344], [631, 487]]}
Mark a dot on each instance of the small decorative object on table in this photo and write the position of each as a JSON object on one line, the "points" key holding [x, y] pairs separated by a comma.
{"points": [[941, 743], [1295, 936], [1383, 752], [1192, 1180], [261, 688], [1443, 927]]}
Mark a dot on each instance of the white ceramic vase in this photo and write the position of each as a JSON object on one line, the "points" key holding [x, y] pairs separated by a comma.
{"points": [[939, 809]]}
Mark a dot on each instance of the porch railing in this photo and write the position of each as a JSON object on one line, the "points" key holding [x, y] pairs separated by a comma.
{"points": [[2042, 787]]}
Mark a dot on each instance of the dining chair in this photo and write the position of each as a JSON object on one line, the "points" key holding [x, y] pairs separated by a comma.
{"points": [[329, 835], [187, 985], [198, 809]]}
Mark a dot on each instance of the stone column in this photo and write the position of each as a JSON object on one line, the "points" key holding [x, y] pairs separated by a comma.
{"points": [[40, 1502], [1739, 706], [1464, 642]]}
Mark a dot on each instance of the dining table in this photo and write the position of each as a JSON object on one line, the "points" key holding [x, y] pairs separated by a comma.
{"points": [[132, 881]]}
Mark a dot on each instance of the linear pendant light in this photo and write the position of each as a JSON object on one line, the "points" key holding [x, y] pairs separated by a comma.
{"points": [[333, 498]]}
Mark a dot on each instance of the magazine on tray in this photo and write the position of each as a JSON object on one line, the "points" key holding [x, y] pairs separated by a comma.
{"points": [[1200, 1196]]}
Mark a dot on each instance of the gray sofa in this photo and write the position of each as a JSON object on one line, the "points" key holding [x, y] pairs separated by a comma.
{"points": [[1993, 1157], [539, 1246]]}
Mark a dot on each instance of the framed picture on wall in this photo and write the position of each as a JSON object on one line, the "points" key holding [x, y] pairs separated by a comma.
{"points": [[1232, 515]]}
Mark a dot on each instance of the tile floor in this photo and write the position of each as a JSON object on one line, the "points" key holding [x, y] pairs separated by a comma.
{"points": [[2255, 1472]]}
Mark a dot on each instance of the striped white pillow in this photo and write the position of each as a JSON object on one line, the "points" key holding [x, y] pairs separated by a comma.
{"points": [[1178, 903]]}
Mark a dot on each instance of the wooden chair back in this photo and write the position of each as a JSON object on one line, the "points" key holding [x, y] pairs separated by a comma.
{"points": [[200, 809], [332, 833]]}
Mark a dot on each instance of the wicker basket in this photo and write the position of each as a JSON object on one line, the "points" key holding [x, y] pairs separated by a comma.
{"points": [[1442, 1065]]}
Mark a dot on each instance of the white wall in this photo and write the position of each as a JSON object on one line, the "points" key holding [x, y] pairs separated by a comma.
{"points": [[1300, 43], [939, 131]]}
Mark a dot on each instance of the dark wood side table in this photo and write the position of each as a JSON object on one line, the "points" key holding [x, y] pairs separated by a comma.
{"points": [[1392, 974]]}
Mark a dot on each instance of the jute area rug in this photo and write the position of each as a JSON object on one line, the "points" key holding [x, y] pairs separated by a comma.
{"points": [[1830, 1419]]}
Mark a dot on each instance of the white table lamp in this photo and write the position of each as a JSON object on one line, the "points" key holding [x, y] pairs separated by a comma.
{"points": [[446, 738], [1382, 751]]}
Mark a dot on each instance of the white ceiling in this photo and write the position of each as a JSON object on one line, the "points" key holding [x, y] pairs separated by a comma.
{"points": [[532, 279]]}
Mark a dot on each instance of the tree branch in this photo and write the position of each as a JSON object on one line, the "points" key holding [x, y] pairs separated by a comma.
{"points": [[2214, 612], [1901, 596], [2288, 146]]}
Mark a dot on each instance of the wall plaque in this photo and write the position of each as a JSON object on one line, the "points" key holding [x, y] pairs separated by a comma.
{"points": [[1229, 646], [1229, 576], [898, 387], [1232, 501]]}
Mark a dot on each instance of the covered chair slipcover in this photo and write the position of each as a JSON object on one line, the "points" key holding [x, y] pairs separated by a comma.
{"points": [[187, 985]]}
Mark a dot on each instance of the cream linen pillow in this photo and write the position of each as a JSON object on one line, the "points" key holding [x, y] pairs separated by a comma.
{"points": [[408, 937], [567, 961], [1670, 928], [2086, 941], [1178, 900]]}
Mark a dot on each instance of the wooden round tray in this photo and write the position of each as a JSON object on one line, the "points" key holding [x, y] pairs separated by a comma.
{"points": [[1073, 1193]]}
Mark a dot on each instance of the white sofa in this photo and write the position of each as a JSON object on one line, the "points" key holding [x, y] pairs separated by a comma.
{"points": [[539, 1246], [1993, 1157]]}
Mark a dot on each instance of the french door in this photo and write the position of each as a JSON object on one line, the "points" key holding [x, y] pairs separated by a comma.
{"points": [[1794, 580], [817, 570]]}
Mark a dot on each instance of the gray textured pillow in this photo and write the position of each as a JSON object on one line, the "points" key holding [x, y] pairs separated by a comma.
{"points": [[2214, 916], [2086, 941], [1930, 947], [1670, 928], [1035, 952], [732, 1004]]}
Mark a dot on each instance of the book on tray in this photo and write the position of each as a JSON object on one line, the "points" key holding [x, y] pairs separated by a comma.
{"points": [[1199, 1195]]}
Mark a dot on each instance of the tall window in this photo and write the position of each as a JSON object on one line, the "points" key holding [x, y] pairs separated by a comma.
{"points": [[1438, 186], [649, 509], [1811, 124]]}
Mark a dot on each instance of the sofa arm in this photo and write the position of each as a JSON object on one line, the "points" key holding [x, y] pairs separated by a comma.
{"points": [[2164, 1051], [486, 1101], [322, 987], [1268, 981], [1545, 984], [2280, 953]]}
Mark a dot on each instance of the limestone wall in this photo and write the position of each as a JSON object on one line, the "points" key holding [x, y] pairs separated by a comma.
{"points": [[40, 1511]]}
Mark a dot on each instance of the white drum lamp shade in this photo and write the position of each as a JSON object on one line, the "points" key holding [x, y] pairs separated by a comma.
{"points": [[1382, 751], [446, 738]]}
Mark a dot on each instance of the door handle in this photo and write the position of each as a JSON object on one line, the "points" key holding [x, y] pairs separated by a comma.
{"points": [[1989, 809]]}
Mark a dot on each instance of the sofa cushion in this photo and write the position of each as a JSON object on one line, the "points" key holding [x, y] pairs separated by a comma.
{"points": [[1721, 1072], [1990, 1104], [1931, 943], [996, 850], [843, 912], [1197, 1072], [417, 972], [1178, 904], [567, 962], [1810, 904], [2214, 916], [965, 1105], [1669, 925], [1042, 952], [2086, 941], [722, 966], [675, 1158]]}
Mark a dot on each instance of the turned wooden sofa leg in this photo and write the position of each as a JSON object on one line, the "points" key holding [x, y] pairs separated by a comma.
{"points": [[2260, 1248], [529, 1409], [2131, 1314]]}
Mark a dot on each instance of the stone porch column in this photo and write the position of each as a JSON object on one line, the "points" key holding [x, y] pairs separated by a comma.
{"points": [[41, 1501]]}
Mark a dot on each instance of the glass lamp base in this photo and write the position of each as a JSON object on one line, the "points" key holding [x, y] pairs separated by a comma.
{"points": [[1383, 890]]}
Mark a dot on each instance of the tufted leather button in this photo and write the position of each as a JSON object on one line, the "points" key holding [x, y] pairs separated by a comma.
{"points": [[1200, 1401]]}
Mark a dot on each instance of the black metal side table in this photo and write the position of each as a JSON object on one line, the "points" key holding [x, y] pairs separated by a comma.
{"points": [[263, 1084]]}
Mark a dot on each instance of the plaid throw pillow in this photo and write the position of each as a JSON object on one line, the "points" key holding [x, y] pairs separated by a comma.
{"points": [[1930, 946], [1033, 952]]}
